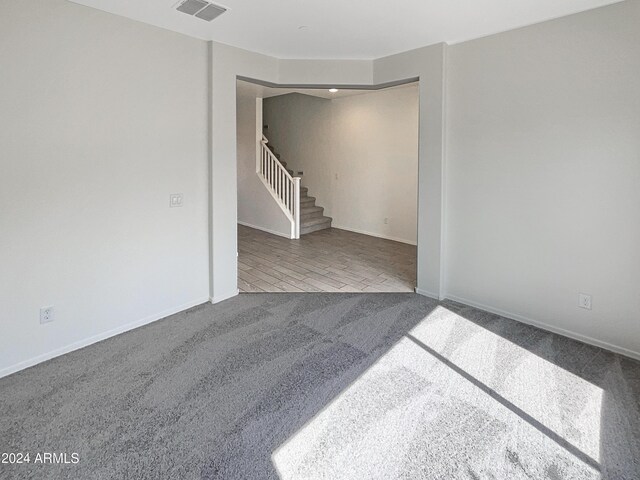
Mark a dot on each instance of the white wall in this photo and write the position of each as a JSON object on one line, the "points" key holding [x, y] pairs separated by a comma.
{"points": [[543, 174], [226, 64], [359, 155], [329, 72], [256, 206], [375, 142], [101, 119], [428, 64]]}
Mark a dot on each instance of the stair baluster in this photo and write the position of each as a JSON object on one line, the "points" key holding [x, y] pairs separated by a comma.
{"points": [[304, 215]]}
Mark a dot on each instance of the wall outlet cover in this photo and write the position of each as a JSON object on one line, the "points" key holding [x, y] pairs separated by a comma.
{"points": [[47, 314]]}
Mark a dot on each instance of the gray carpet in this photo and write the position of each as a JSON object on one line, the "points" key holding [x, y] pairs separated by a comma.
{"points": [[335, 386]]}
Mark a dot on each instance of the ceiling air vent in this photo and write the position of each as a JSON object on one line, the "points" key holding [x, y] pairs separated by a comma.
{"points": [[201, 9]]}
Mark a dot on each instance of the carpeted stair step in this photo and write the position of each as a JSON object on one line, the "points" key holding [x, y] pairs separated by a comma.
{"points": [[307, 201], [314, 224], [304, 191], [308, 213]]}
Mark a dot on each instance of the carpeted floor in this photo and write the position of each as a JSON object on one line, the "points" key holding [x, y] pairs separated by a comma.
{"points": [[335, 386]]}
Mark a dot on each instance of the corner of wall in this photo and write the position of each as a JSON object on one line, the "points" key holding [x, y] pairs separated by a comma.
{"points": [[443, 184]]}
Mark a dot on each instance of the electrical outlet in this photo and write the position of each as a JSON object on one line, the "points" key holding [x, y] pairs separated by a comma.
{"points": [[584, 301], [386, 221], [175, 200], [47, 314]]}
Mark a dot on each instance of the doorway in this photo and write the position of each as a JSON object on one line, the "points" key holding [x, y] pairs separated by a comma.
{"points": [[356, 152]]}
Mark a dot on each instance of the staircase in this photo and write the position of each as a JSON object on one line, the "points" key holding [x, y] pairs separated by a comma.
{"points": [[312, 216], [305, 215]]}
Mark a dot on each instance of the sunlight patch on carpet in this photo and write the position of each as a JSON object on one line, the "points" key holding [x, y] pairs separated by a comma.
{"points": [[454, 400]]}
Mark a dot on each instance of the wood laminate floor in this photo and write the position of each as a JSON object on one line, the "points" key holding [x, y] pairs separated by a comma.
{"points": [[329, 260]]}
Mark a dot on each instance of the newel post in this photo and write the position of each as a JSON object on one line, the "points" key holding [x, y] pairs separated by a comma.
{"points": [[296, 203]]}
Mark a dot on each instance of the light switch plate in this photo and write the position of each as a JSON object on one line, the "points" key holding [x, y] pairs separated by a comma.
{"points": [[584, 301], [175, 200]]}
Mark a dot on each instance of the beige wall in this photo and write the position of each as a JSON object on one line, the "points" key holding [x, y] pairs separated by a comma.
{"points": [[543, 174], [359, 155], [101, 119]]}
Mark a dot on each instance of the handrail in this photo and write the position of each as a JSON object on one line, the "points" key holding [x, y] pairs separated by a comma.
{"points": [[270, 153], [284, 188]]}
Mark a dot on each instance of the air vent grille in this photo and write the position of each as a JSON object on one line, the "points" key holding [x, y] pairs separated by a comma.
{"points": [[201, 9], [191, 7]]}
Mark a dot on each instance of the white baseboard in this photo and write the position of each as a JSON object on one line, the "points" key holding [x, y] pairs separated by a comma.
{"points": [[272, 232], [427, 293], [224, 296], [547, 327], [371, 234], [99, 337]]}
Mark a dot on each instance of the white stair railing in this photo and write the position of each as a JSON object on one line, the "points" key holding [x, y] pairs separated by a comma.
{"points": [[284, 188]]}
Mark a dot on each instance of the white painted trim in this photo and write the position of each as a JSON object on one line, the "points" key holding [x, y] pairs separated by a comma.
{"points": [[259, 135], [226, 296], [547, 327], [273, 232], [295, 233], [277, 180], [426, 293], [378, 235], [99, 337]]}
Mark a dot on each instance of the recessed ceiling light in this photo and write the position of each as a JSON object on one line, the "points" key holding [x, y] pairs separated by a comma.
{"points": [[333, 90]]}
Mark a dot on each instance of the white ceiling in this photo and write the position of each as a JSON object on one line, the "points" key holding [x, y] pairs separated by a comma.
{"points": [[260, 91], [346, 29]]}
